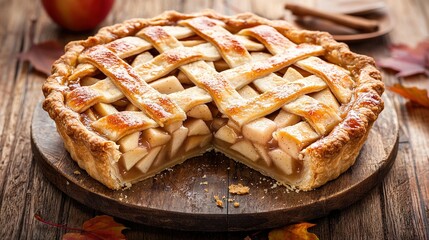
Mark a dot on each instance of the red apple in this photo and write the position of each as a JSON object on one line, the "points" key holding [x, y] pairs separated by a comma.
{"points": [[77, 15]]}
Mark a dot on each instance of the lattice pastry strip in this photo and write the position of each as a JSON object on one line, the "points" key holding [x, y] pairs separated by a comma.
{"points": [[123, 47], [126, 47], [223, 93], [158, 106], [320, 116], [120, 124], [259, 131], [337, 78], [82, 98]]}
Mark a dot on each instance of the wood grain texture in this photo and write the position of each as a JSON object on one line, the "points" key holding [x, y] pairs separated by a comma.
{"points": [[182, 197], [396, 209]]}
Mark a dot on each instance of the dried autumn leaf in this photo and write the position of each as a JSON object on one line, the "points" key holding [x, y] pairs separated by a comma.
{"points": [[99, 227], [406, 60], [403, 68], [293, 232], [43, 55], [414, 94]]}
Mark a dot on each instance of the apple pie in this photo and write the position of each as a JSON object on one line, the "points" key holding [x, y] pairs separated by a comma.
{"points": [[147, 94]]}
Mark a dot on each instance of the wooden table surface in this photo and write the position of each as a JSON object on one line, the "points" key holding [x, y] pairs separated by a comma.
{"points": [[398, 208]]}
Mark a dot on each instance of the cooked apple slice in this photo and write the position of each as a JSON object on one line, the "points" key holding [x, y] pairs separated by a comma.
{"points": [[87, 81], [200, 112], [155, 137], [321, 117], [293, 139], [234, 126], [214, 110], [130, 158], [248, 92], [131, 107], [206, 140], [144, 164], [177, 139], [91, 114], [211, 64], [292, 74], [259, 131], [195, 141], [217, 123], [246, 149], [183, 78], [173, 126], [105, 109], [221, 65], [282, 160], [227, 134], [129, 142], [167, 85], [121, 103], [249, 44], [284, 119], [326, 97], [262, 151], [161, 157], [142, 58], [196, 127]]}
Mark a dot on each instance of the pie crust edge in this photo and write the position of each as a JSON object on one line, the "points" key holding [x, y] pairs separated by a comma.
{"points": [[324, 160]]}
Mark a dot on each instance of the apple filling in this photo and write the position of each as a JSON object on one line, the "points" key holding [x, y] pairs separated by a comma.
{"points": [[152, 150], [270, 144]]}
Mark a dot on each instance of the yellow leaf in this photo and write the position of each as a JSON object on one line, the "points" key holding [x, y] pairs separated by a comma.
{"points": [[414, 94], [293, 232]]}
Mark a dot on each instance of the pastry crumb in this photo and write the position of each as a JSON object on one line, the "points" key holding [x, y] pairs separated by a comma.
{"points": [[236, 204], [238, 189], [204, 183], [219, 202], [76, 172], [206, 190], [205, 176]]}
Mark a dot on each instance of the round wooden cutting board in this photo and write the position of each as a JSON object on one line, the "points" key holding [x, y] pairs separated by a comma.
{"points": [[182, 197]]}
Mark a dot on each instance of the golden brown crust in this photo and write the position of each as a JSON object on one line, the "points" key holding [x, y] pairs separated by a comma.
{"points": [[326, 158]]}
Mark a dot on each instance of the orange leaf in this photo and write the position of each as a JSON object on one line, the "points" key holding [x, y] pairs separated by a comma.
{"points": [[77, 236], [414, 94], [97, 228], [293, 232], [43, 55]]}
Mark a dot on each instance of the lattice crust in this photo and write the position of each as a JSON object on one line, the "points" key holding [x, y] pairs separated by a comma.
{"points": [[149, 93]]}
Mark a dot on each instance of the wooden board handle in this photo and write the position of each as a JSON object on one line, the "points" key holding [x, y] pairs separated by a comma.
{"points": [[357, 23]]}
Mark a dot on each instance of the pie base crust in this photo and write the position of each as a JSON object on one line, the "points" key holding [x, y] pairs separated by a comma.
{"points": [[323, 160]]}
